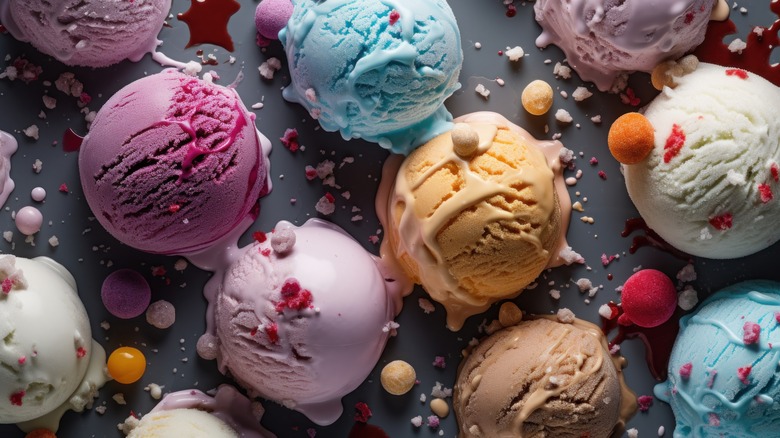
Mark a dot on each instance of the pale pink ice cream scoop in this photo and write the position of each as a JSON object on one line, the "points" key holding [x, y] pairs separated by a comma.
{"points": [[301, 317], [604, 38], [91, 33], [173, 163]]}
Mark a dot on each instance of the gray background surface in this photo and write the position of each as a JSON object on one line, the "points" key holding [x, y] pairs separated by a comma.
{"points": [[90, 253]]}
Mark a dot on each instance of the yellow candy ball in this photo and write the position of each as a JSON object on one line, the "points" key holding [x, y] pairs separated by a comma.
{"points": [[398, 377], [126, 365]]}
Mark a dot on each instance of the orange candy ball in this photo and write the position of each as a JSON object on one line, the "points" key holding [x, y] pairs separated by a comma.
{"points": [[126, 365], [40, 433], [631, 138]]}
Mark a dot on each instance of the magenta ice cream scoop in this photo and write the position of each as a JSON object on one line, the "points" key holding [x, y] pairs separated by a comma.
{"points": [[173, 163], [92, 33], [301, 317]]}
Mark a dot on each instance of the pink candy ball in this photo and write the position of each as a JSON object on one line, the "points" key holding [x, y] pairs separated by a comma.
{"points": [[271, 16], [648, 298]]}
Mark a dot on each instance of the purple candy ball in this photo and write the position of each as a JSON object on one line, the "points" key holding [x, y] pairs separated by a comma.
{"points": [[271, 16], [126, 293]]}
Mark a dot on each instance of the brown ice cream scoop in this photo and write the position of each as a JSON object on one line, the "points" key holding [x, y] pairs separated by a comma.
{"points": [[542, 378]]}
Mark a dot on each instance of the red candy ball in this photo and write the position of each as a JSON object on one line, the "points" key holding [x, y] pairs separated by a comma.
{"points": [[648, 298]]}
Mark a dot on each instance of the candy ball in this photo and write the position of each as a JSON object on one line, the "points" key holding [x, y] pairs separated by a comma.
{"points": [[631, 138], [28, 220], [537, 97], [126, 293], [126, 365], [271, 16], [648, 299], [398, 377]]}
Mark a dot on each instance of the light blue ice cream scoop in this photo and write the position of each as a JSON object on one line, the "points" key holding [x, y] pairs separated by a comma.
{"points": [[724, 381], [379, 70]]}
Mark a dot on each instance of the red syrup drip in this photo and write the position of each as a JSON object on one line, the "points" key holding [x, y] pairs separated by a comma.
{"points": [[208, 22], [754, 58], [658, 341], [71, 142], [650, 238], [363, 430]]}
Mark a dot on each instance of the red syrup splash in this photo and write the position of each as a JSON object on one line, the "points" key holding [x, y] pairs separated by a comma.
{"points": [[650, 238], [208, 21], [71, 142], [363, 430], [754, 58], [658, 341]]}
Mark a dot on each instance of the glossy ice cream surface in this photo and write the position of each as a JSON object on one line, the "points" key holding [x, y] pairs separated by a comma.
{"points": [[50, 363], [708, 186], [191, 413], [723, 368], [300, 317], [475, 229], [173, 163], [91, 33], [604, 38], [542, 378], [377, 70]]}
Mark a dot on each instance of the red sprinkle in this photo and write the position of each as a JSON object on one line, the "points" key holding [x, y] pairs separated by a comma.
{"points": [[272, 330], [394, 16], [362, 412], [751, 333], [777, 317], [775, 171], [174, 208], [81, 352], [593, 161], [330, 197], [158, 271], [765, 193], [688, 18], [722, 222], [7, 285], [602, 175], [294, 297], [511, 10], [311, 173], [674, 143], [439, 362], [714, 420], [85, 98], [266, 252], [644, 402], [742, 74], [629, 97], [290, 139], [685, 370], [253, 332], [743, 373], [259, 236], [606, 260], [711, 380], [16, 398], [63, 188]]}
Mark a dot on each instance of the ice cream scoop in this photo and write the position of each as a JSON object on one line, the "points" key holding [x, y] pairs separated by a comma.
{"points": [[723, 368], [173, 163], [475, 215], [191, 413], [91, 33], [708, 185], [301, 317], [48, 360], [542, 378], [604, 38], [376, 70]]}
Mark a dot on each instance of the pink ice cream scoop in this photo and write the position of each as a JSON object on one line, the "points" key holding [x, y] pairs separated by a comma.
{"points": [[604, 38], [301, 317], [92, 33], [173, 163]]}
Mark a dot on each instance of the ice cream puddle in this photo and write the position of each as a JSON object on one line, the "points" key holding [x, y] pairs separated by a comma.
{"points": [[208, 22]]}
